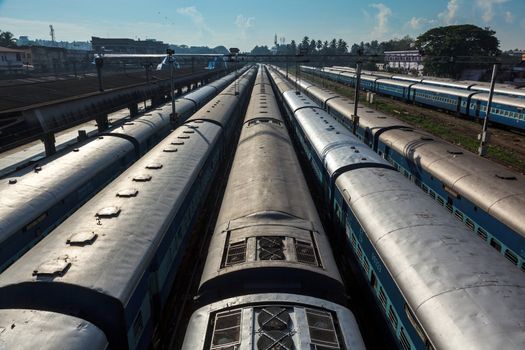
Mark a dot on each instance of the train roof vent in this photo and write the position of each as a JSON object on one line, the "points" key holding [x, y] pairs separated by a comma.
{"points": [[188, 131], [453, 151], [322, 329], [275, 328], [426, 138], [236, 253], [170, 150], [226, 330], [53, 268], [82, 238], [108, 212], [142, 178], [270, 248], [178, 143], [154, 166], [128, 192], [305, 253], [183, 137]]}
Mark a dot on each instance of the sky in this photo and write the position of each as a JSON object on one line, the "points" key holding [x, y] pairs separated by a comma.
{"points": [[246, 23]]}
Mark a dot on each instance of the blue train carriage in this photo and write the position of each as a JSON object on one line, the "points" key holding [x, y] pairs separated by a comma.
{"points": [[452, 100], [273, 321], [389, 223], [504, 110], [499, 89], [430, 276], [35, 200], [448, 174], [398, 89], [268, 235], [485, 196], [120, 251]]}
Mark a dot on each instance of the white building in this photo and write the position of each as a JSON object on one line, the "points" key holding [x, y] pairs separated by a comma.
{"points": [[11, 59], [405, 60]]}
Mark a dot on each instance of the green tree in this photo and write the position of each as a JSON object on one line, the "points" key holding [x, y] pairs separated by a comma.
{"points": [[7, 39], [305, 44], [333, 47], [261, 50], [342, 46], [319, 45], [313, 47], [326, 47], [450, 50]]}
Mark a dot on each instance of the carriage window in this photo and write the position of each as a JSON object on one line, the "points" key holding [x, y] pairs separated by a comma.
{"points": [[322, 329], [226, 330]]}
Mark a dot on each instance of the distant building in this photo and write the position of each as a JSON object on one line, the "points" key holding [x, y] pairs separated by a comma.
{"points": [[54, 59], [11, 59], [24, 40], [130, 46], [404, 60]]}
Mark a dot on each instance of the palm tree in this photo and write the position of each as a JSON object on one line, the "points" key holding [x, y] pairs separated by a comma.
{"points": [[342, 46], [7, 39]]}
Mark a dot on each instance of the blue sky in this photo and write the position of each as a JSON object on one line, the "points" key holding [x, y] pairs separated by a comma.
{"points": [[244, 23]]}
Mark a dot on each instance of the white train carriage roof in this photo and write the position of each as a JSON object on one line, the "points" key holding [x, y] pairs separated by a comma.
{"points": [[347, 74], [463, 293], [114, 236], [33, 329], [505, 100], [407, 78], [30, 192], [453, 84], [267, 199], [297, 322], [334, 143], [322, 94], [369, 119], [403, 84], [488, 185], [443, 90]]}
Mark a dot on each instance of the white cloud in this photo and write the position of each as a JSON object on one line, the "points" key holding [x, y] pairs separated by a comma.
{"points": [[449, 15], [196, 17], [416, 23], [487, 6], [383, 13], [509, 17], [244, 23]]}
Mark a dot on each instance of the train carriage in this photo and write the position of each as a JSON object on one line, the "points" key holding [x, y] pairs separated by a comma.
{"points": [[273, 321], [437, 284], [112, 263], [35, 200], [268, 236]]}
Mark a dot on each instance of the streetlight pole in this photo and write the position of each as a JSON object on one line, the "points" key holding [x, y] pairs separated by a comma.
{"points": [[170, 53], [484, 136]]}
